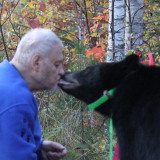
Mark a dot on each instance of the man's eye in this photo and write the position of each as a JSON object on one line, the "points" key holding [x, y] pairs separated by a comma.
{"points": [[56, 65]]}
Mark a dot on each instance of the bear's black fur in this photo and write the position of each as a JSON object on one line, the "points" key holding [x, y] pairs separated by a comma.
{"points": [[134, 108]]}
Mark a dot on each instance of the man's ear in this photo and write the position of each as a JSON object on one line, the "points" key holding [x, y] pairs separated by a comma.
{"points": [[35, 62]]}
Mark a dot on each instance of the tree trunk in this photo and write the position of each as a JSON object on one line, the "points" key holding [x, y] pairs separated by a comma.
{"points": [[128, 28], [134, 24], [111, 34], [119, 12], [115, 50]]}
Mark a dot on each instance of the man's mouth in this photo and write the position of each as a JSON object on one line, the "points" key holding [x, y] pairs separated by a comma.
{"points": [[64, 84]]}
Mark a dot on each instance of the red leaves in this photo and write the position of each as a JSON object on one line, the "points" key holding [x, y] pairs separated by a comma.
{"points": [[34, 23], [42, 6], [98, 52], [93, 27], [101, 17], [32, 20]]}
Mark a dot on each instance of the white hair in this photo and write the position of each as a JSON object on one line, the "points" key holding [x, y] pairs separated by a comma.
{"points": [[37, 41]]}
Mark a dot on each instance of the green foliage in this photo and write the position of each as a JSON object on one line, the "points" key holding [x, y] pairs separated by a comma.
{"points": [[67, 120], [152, 28]]}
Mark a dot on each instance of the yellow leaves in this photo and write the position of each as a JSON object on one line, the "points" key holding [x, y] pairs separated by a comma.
{"points": [[138, 47], [15, 38], [69, 38], [32, 4], [72, 50], [63, 2], [2, 11], [42, 19], [155, 7], [25, 13], [105, 25], [57, 15], [11, 47], [102, 144], [130, 52], [88, 4], [94, 34], [51, 97]]}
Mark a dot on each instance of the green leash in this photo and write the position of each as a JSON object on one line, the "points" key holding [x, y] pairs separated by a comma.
{"points": [[96, 104], [111, 139], [101, 100]]}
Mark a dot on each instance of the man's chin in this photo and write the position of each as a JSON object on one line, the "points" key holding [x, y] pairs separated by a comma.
{"points": [[54, 88]]}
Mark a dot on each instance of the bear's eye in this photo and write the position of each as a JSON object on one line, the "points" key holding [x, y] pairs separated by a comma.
{"points": [[87, 70]]}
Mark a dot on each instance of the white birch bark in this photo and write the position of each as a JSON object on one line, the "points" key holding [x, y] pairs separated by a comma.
{"points": [[110, 53], [128, 28], [134, 24], [137, 10], [119, 12], [115, 50]]}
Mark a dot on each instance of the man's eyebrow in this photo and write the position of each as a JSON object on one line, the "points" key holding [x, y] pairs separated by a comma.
{"points": [[60, 61]]}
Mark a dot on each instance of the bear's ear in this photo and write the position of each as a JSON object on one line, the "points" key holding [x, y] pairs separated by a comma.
{"points": [[131, 60], [130, 63]]}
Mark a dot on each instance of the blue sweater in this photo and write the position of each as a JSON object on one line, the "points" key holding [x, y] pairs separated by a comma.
{"points": [[20, 131]]}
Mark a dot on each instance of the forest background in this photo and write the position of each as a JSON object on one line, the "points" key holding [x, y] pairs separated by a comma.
{"points": [[85, 27]]}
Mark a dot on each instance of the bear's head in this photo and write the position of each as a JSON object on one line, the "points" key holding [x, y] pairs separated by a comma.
{"points": [[90, 83]]}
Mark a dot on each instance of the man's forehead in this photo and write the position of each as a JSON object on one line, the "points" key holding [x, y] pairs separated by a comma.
{"points": [[58, 57]]}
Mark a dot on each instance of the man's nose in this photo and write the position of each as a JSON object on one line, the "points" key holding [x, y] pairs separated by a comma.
{"points": [[61, 71]]}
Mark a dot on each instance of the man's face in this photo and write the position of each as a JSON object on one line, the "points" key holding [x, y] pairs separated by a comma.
{"points": [[51, 70]]}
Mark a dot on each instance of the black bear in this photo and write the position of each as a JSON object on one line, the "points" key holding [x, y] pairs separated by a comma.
{"points": [[134, 106]]}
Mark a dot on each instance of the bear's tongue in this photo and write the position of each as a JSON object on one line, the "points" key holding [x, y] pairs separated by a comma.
{"points": [[63, 82]]}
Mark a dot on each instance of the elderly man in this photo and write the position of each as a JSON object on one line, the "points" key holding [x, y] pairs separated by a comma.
{"points": [[37, 65]]}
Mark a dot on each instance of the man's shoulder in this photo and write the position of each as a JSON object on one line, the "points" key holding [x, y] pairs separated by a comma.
{"points": [[12, 84], [13, 95], [13, 88]]}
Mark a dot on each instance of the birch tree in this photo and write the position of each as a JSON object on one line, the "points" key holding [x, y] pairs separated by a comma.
{"points": [[111, 44], [125, 31], [115, 50], [119, 8], [134, 24]]}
